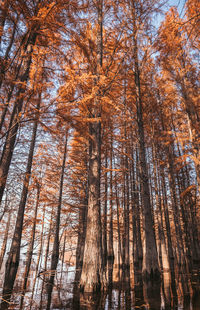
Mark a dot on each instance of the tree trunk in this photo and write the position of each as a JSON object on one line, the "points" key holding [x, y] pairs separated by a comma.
{"points": [[3, 62], [126, 263], [150, 267], [110, 240], [3, 246], [55, 253], [118, 229], [14, 255], [104, 230], [30, 250], [3, 16], [44, 273], [137, 242], [14, 121], [82, 225], [92, 276], [39, 257]]}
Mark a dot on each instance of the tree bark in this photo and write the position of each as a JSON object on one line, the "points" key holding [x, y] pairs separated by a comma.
{"points": [[92, 276], [55, 253], [150, 267], [81, 239], [30, 250], [14, 255], [118, 229], [110, 240], [104, 226], [3, 16], [14, 121], [3, 246], [137, 242]]}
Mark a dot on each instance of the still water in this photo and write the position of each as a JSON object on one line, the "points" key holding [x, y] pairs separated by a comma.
{"points": [[152, 295], [139, 299]]}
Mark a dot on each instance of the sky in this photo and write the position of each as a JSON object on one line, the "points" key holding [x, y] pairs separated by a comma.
{"points": [[169, 3], [179, 4]]}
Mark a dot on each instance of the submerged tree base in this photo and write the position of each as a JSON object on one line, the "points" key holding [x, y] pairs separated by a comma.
{"points": [[153, 275], [93, 287]]}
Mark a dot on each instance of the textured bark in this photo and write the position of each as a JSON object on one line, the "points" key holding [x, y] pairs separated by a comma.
{"points": [[56, 243], [3, 62], [187, 237], [92, 276], [104, 226], [176, 211], [126, 247], [188, 206], [164, 264], [81, 240], [4, 244], [40, 252], [182, 266], [137, 242], [30, 250], [63, 259], [194, 127], [110, 239], [14, 121], [3, 15], [171, 256], [15, 78], [14, 254], [44, 273], [118, 229], [150, 257]]}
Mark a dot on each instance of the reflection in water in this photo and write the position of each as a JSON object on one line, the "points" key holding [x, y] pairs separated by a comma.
{"points": [[92, 302], [163, 295], [151, 295]]}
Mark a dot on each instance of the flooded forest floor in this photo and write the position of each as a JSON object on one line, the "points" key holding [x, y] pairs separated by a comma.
{"points": [[134, 293]]}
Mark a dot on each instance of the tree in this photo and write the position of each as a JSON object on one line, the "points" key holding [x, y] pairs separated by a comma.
{"points": [[92, 276], [150, 257], [14, 254], [55, 253]]}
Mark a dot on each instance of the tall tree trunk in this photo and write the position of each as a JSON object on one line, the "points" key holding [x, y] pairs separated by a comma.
{"points": [[82, 225], [14, 121], [126, 266], [3, 62], [150, 257], [137, 242], [194, 126], [170, 251], [188, 205], [3, 15], [159, 211], [4, 244], [44, 273], [176, 211], [14, 255], [55, 253], [92, 276], [110, 240], [118, 229], [40, 252], [104, 226], [30, 250]]}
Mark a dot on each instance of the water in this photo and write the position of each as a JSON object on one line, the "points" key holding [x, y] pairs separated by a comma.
{"points": [[152, 295]]}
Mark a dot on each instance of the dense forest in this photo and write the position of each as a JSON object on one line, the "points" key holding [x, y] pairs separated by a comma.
{"points": [[99, 154]]}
